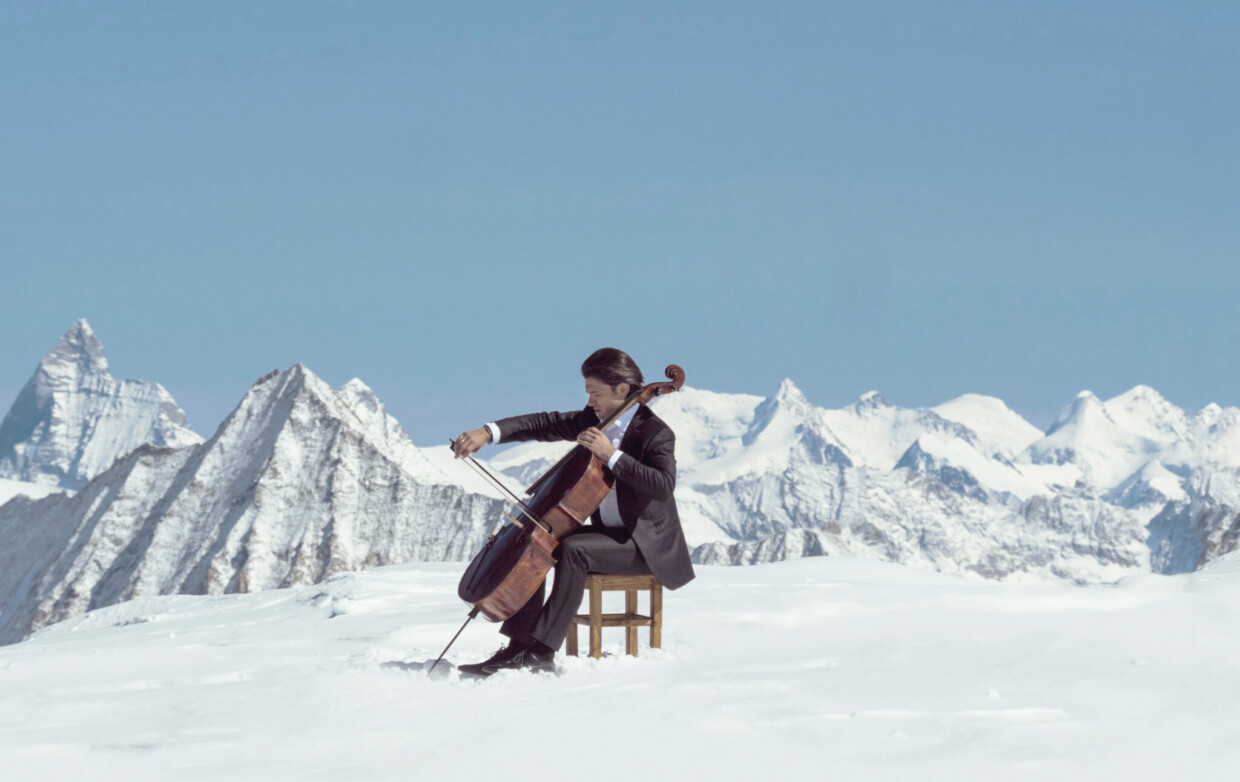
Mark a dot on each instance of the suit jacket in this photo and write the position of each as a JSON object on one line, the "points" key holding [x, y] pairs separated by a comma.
{"points": [[645, 479]]}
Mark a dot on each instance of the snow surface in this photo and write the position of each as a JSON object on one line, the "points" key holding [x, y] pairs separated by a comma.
{"points": [[825, 668]]}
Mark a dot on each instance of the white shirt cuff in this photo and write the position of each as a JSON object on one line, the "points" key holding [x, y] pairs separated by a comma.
{"points": [[615, 457], [494, 432]]}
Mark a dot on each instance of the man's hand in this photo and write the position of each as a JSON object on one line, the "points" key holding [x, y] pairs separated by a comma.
{"points": [[471, 441], [597, 443]]}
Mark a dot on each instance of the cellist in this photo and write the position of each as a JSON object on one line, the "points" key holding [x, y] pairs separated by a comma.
{"points": [[636, 530]]}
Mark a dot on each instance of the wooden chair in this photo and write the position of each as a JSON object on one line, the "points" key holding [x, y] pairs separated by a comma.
{"points": [[630, 620]]}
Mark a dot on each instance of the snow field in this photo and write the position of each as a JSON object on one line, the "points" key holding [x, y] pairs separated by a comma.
{"points": [[810, 669]]}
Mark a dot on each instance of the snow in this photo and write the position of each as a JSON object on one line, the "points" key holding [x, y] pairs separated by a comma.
{"points": [[1002, 429], [1143, 410], [824, 668], [10, 489], [1108, 443], [990, 473], [386, 433]]}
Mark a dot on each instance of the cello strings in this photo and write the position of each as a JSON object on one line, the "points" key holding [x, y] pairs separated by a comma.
{"points": [[525, 509], [500, 487]]}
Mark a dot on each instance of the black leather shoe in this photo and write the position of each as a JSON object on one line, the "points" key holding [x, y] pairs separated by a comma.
{"points": [[526, 659], [504, 655]]}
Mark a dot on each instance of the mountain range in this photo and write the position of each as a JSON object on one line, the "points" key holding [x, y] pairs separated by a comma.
{"points": [[302, 481]]}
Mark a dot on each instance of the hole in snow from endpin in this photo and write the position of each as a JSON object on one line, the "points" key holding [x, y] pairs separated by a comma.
{"points": [[442, 672]]}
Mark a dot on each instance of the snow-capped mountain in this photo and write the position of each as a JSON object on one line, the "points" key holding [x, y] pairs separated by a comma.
{"points": [[1000, 430], [302, 481], [912, 486], [299, 482], [72, 420], [967, 486]]}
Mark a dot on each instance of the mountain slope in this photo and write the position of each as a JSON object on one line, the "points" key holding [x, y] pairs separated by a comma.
{"points": [[293, 487]]}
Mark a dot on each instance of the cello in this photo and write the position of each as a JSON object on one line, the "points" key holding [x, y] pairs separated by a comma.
{"points": [[516, 558]]}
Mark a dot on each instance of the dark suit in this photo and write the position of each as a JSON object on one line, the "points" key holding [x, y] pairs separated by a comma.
{"points": [[651, 542]]}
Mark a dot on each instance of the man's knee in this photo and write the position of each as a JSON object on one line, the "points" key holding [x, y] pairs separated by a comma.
{"points": [[575, 551]]}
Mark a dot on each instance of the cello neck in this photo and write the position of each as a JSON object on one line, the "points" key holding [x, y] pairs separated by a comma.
{"points": [[648, 392], [633, 399]]}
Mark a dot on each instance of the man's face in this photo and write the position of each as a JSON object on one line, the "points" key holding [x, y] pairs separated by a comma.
{"points": [[605, 399]]}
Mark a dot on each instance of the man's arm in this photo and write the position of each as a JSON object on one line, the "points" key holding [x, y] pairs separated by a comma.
{"points": [[545, 427], [653, 475]]}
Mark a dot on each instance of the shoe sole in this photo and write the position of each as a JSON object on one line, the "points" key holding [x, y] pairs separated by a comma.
{"points": [[531, 668]]}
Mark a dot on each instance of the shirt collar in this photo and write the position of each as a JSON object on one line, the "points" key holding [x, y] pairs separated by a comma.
{"points": [[622, 423]]}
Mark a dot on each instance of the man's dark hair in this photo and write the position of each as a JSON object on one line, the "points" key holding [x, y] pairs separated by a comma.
{"points": [[613, 367]]}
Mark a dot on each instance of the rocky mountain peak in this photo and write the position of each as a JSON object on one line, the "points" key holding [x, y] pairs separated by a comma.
{"points": [[1141, 391], [364, 402], [72, 419], [1145, 411], [356, 389], [789, 395], [1084, 406], [787, 408], [79, 350], [871, 401], [1210, 413]]}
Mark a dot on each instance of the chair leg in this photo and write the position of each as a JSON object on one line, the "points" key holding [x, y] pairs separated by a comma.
{"points": [[596, 620], [656, 616], [630, 633], [570, 641]]}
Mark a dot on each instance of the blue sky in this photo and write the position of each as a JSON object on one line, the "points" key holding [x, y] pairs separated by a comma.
{"points": [[457, 202]]}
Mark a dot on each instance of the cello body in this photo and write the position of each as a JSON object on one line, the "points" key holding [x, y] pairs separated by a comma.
{"points": [[509, 569]]}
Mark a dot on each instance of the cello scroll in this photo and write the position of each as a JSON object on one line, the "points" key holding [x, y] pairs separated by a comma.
{"points": [[674, 373]]}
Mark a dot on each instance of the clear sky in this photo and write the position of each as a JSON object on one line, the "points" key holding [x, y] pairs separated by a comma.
{"points": [[457, 202]]}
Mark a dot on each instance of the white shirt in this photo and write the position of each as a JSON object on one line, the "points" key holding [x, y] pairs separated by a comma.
{"points": [[609, 511]]}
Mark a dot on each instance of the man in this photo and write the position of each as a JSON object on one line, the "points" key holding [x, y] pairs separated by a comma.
{"points": [[635, 531]]}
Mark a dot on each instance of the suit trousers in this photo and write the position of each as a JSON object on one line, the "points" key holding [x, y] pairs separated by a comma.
{"points": [[591, 549]]}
